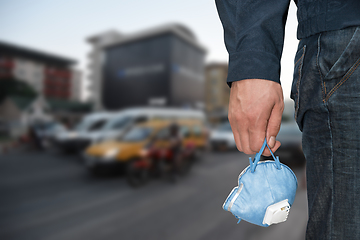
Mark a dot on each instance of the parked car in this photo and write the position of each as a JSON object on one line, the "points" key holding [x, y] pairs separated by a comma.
{"points": [[222, 138], [50, 132], [45, 132]]}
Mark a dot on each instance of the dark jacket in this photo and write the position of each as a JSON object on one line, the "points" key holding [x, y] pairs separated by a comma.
{"points": [[254, 31]]}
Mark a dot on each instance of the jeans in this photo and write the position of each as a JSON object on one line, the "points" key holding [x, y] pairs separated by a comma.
{"points": [[326, 92]]}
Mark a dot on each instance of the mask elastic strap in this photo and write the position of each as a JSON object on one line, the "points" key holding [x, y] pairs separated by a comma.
{"points": [[258, 155]]}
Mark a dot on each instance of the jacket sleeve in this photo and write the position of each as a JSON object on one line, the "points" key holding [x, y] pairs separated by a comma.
{"points": [[254, 37]]}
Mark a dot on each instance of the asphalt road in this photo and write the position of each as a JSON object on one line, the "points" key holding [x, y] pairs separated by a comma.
{"points": [[51, 196]]}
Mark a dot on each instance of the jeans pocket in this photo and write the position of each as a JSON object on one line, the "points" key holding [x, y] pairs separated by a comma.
{"points": [[339, 66], [295, 88]]}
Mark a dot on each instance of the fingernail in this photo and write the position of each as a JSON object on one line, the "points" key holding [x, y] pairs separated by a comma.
{"points": [[272, 141]]}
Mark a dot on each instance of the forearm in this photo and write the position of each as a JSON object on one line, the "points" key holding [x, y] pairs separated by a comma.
{"points": [[254, 35]]}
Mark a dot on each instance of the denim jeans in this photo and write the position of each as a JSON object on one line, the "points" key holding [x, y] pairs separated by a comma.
{"points": [[326, 92]]}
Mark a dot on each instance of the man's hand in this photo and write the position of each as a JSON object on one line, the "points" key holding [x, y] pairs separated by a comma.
{"points": [[255, 111]]}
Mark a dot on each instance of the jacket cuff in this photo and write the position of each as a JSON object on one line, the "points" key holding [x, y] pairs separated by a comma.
{"points": [[253, 65]]}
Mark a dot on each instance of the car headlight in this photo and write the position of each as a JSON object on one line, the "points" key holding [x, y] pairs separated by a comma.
{"points": [[72, 135], [144, 152], [111, 153]]}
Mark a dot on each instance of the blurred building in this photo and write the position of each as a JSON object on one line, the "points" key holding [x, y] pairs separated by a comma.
{"points": [[50, 75], [159, 66], [96, 60], [217, 92]]}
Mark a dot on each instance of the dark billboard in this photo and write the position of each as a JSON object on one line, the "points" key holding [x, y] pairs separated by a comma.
{"points": [[187, 73], [162, 69]]}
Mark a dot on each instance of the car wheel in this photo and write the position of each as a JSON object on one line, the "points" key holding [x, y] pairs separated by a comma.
{"points": [[136, 176], [223, 147]]}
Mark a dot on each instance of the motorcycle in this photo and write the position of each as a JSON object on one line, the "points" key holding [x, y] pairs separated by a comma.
{"points": [[160, 162]]}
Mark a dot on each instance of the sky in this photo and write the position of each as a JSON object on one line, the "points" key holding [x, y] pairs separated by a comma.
{"points": [[61, 27]]}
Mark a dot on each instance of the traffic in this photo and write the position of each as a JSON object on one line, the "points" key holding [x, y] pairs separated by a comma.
{"points": [[147, 143]]}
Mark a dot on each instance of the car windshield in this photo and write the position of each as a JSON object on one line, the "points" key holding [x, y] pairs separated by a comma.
{"points": [[225, 127], [83, 125], [43, 125], [58, 127], [137, 134], [117, 123], [90, 125]]}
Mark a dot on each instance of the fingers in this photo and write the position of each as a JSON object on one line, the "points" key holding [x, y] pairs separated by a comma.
{"points": [[273, 128], [274, 123], [241, 134], [257, 130], [271, 141], [236, 137], [273, 149], [245, 142]]}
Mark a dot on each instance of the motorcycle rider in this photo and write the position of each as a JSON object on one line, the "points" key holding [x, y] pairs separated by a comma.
{"points": [[175, 145]]}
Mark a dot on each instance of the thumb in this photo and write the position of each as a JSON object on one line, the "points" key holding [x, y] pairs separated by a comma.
{"points": [[273, 129]]}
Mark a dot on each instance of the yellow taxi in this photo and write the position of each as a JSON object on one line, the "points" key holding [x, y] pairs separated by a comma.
{"points": [[135, 142]]}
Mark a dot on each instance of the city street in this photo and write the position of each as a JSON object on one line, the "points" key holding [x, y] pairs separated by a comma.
{"points": [[47, 195]]}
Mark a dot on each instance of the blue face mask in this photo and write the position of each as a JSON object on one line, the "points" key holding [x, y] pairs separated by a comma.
{"points": [[265, 192]]}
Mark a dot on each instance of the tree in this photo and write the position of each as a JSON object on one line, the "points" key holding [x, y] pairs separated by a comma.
{"points": [[12, 86]]}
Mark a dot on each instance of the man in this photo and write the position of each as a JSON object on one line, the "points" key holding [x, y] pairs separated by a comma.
{"points": [[175, 140], [326, 91]]}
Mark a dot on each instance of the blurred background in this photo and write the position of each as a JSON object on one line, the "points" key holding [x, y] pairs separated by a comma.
{"points": [[113, 123]]}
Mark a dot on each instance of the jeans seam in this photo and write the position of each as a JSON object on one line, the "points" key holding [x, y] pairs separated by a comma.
{"points": [[320, 74], [344, 79], [299, 58], [332, 172]]}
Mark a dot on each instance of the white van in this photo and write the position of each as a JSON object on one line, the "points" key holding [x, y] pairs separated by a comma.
{"points": [[124, 119], [78, 138]]}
